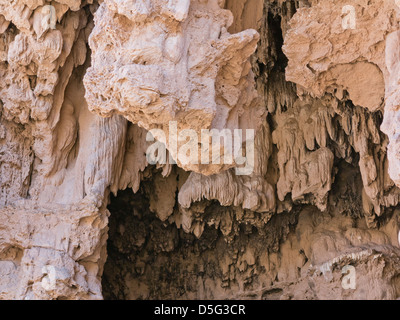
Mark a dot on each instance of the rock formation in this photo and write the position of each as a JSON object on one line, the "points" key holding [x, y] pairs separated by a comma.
{"points": [[174, 61], [86, 88]]}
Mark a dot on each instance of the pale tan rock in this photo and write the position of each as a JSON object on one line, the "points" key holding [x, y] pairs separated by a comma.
{"points": [[391, 122], [82, 83], [159, 63], [63, 256], [42, 119], [324, 57], [251, 192]]}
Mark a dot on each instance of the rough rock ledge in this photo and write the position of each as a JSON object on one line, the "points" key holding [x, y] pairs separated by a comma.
{"points": [[84, 215]]}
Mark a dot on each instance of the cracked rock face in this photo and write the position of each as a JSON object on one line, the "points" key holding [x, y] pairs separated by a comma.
{"points": [[85, 215], [172, 61], [323, 57]]}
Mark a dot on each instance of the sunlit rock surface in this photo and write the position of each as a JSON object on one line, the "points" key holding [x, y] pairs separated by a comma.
{"points": [[84, 215]]}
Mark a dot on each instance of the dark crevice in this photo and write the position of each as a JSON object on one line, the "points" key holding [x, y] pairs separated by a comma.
{"points": [[275, 32]]}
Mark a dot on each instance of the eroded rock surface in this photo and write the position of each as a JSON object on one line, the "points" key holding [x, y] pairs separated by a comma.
{"points": [[163, 61], [84, 215]]}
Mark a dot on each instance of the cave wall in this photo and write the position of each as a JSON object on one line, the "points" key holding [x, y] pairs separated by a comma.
{"points": [[334, 207], [300, 254], [84, 215]]}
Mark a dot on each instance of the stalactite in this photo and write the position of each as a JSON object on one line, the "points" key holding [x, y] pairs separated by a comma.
{"points": [[86, 214]]}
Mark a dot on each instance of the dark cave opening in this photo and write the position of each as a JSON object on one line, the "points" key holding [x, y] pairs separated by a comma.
{"points": [[151, 259], [275, 36]]}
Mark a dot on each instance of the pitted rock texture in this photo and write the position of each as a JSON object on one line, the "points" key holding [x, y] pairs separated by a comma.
{"points": [[84, 215], [297, 255], [163, 61], [326, 58]]}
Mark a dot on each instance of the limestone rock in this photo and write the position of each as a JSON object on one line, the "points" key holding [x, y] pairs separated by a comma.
{"points": [[160, 63], [85, 213]]}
